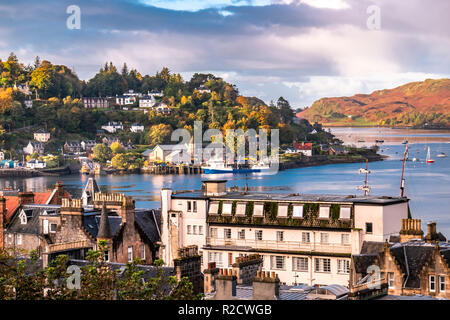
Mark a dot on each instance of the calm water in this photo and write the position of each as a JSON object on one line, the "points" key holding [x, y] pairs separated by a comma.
{"points": [[427, 185]]}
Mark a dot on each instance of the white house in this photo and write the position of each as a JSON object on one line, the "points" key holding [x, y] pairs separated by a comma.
{"points": [[304, 238], [42, 135], [36, 164], [33, 147], [95, 102], [163, 108], [137, 128], [2, 155], [147, 101], [112, 127], [88, 145], [203, 89]]}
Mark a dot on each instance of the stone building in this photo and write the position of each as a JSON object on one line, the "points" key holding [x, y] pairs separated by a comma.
{"points": [[413, 265], [130, 233]]}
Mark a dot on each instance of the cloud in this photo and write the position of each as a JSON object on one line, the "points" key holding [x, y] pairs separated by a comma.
{"points": [[303, 50]]}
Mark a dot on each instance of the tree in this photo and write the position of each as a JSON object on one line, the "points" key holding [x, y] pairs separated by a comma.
{"points": [[101, 153], [159, 134], [117, 147]]}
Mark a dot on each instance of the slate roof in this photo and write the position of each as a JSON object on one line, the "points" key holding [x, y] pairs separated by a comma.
{"points": [[372, 247], [363, 261], [411, 257], [145, 221], [91, 222], [33, 213], [300, 292]]}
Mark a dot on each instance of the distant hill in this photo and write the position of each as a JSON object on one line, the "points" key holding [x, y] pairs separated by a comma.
{"points": [[416, 104]]}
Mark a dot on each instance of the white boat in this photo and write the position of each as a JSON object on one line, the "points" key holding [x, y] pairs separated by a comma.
{"points": [[429, 160], [442, 155], [415, 159]]}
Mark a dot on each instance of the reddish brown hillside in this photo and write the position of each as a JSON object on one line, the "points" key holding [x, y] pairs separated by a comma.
{"points": [[413, 104]]}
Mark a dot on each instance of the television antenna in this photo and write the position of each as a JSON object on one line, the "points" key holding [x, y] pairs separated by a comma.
{"points": [[365, 187], [402, 183]]}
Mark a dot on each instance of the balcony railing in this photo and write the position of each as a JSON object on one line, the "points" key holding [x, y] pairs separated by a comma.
{"points": [[281, 245]]}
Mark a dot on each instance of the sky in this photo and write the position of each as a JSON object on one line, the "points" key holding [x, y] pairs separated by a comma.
{"points": [[302, 50]]}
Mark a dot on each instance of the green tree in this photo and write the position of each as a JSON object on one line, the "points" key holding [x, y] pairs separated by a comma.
{"points": [[101, 153]]}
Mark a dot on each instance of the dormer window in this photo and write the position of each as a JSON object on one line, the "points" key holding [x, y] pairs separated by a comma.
{"points": [[345, 213], [324, 212], [23, 217]]}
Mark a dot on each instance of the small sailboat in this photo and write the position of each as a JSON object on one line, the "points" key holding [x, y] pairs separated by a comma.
{"points": [[429, 160]]}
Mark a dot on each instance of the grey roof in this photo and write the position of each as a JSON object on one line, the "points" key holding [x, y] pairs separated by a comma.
{"points": [[363, 261], [245, 292], [372, 247], [104, 231], [149, 222], [256, 196], [33, 212], [91, 222]]}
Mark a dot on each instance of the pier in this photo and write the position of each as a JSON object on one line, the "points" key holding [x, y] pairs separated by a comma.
{"points": [[174, 169]]}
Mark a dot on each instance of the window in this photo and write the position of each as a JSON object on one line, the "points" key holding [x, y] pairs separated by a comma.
{"points": [[143, 251], [324, 238], [300, 264], [213, 232], [277, 262], [258, 235], [200, 229], [130, 254], [194, 206], [345, 213], [391, 280], [194, 229], [241, 234], [227, 233], [188, 229], [53, 227], [322, 265], [213, 208], [345, 238], [19, 239], [227, 208], [23, 217], [369, 227], [280, 235], [343, 266], [324, 212], [306, 237], [441, 283], [230, 259], [10, 239], [258, 210], [282, 211], [106, 256], [240, 209], [215, 257], [432, 283], [189, 206], [297, 212]]}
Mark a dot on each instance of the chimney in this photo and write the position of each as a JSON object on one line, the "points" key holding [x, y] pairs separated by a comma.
{"points": [[214, 187], [432, 235], [411, 229], [71, 207], [266, 286], [225, 285], [189, 265], [210, 277], [246, 268], [26, 197]]}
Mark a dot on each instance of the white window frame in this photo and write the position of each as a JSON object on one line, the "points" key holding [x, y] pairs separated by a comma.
{"points": [[277, 262], [432, 283], [215, 257], [324, 236], [345, 213], [130, 254], [306, 236], [300, 264], [258, 235], [143, 251], [19, 239], [227, 233], [282, 210], [280, 236], [56, 227], [241, 234], [297, 211], [213, 232], [442, 286], [227, 208], [258, 210], [324, 212], [391, 283], [345, 239], [189, 228], [213, 208], [200, 230], [343, 266], [194, 206], [194, 229], [239, 211], [322, 265]]}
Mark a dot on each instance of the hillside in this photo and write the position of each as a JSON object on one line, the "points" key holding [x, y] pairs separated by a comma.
{"points": [[415, 104]]}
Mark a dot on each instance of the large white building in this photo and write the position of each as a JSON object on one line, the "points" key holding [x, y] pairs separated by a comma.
{"points": [[303, 238]]}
